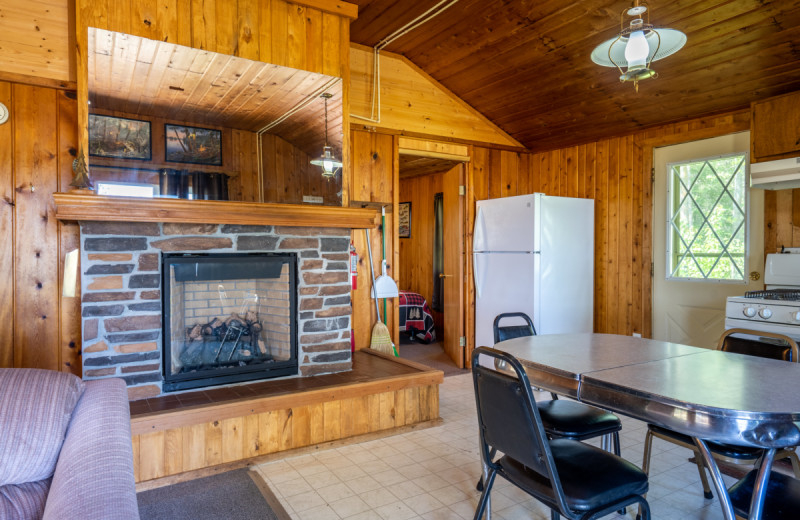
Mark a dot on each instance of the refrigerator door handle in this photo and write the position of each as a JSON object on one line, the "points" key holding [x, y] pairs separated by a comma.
{"points": [[479, 232], [476, 279]]}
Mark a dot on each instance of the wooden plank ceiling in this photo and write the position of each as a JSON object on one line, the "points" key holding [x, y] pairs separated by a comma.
{"points": [[151, 78], [525, 63]]}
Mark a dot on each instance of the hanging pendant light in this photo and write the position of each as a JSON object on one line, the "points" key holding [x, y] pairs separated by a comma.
{"points": [[637, 46], [327, 161]]}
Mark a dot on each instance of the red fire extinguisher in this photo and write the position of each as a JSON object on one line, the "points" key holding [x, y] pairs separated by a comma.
{"points": [[353, 266]]}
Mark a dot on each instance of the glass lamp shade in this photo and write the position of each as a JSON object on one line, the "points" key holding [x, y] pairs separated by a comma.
{"points": [[328, 162], [612, 53], [637, 50]]}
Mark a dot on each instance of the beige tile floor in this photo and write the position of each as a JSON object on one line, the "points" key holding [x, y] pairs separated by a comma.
{"points": [[431, 474]]}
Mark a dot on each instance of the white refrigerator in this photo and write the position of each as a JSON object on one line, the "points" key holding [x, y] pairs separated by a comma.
{"points": [[534, 254]]}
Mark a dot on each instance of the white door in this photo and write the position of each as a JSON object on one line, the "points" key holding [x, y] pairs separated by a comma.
{"points": [[687, 308]]}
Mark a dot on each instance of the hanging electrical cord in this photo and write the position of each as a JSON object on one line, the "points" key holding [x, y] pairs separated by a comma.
{"points": [[428, 15]]}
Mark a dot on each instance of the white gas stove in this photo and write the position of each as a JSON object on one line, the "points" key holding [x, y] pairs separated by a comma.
{"points": [[776, 309]]}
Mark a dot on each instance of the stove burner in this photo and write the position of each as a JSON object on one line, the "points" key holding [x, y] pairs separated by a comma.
{"points": [[775, 294]]}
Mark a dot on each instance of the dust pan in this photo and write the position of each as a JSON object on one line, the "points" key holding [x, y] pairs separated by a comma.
{"points": [[381, 339], [384, 286]]}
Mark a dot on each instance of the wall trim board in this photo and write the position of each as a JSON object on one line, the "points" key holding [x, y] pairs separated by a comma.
{"points": [[38, 81]]}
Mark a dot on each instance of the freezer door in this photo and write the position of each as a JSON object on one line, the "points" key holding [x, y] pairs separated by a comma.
{"points": [[505, 284], [567, 265], [505, 224]]}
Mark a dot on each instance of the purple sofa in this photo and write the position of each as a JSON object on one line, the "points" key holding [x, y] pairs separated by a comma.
{"points": [[65, 447]]}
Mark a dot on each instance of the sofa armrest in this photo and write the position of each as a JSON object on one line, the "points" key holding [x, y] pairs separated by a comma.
{"points": [[94, 474]]}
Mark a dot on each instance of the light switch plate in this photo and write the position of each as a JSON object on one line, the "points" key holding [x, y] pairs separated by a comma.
{"points": [[3, 113]]}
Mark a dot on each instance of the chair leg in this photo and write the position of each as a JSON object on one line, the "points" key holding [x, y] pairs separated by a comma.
{"points": [[795, 463], [703, 477], [479, 485], [485, 495], [617, 452], [648, 448]]}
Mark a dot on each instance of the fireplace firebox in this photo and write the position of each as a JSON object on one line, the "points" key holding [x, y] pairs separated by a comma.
{"points": [[228, 318]]}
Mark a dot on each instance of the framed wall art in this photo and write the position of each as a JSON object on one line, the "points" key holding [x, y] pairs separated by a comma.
{"points": [[404, 221], [119, 138], [188, 144]]}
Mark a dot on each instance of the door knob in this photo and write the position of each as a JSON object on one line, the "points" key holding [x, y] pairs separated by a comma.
{"points": [[442, 275]]}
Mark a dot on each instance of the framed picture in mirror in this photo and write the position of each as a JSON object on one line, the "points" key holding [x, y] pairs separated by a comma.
{"points": [[119, 138], [188, 144]]}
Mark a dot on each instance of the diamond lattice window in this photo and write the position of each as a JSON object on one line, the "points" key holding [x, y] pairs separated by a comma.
{"points": [[707, 220]]}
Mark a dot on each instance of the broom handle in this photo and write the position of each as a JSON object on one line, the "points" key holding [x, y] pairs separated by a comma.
{"points": [[372, 270]]}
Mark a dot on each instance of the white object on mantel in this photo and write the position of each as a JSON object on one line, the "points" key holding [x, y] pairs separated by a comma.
{"points": [[776, 175]]}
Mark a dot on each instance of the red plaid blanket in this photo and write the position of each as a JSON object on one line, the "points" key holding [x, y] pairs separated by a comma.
{"points": [[416, 317]]}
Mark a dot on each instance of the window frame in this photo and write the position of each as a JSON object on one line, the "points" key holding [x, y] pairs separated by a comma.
{"points": [[671, 234]]}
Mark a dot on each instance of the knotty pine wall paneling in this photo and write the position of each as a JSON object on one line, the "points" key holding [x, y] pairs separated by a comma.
{"points": [[781, 219], [374, 183], [7, 230], [416, 252], [288, 174], [44, 327]]}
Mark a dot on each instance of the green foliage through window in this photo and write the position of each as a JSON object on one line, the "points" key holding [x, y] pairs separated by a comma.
{"points": [[707, 221]]}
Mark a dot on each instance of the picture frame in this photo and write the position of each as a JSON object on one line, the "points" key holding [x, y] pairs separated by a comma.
{"points": [[404, 220], [120, 138], [194, 145]]}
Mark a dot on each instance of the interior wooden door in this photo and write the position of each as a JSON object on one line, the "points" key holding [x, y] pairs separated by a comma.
{"points": [[453, 249]]}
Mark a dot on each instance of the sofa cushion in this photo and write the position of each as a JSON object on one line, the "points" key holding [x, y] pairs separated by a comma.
{"points": [[34, 415], [25, 501]]}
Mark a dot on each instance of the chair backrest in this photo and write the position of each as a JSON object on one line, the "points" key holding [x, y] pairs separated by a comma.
{"points": [[780, 347], [512, 331], [508, 419]]}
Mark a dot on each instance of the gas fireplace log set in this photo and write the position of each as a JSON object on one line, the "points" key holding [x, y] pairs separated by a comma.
{"points": [[236, 335]]}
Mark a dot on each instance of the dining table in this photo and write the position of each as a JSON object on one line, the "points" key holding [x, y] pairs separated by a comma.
{"points": [[709, 395]]}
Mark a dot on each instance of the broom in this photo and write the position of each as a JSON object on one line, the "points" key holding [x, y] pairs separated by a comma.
{"points": [[381, 339]]}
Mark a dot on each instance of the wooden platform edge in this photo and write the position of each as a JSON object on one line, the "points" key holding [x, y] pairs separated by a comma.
{"points": [[165, 420]]}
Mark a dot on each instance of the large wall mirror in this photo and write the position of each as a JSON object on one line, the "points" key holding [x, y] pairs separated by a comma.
{"points": [[172, 121]]}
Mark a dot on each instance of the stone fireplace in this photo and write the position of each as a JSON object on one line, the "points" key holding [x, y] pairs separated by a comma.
{"points": [[228, 317], [259, 321]]}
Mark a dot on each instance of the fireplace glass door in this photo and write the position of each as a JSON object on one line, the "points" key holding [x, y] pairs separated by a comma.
{"points": [[228, 318]]}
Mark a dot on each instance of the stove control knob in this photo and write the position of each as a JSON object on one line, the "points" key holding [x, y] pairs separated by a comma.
{"points": [[796, 316], [765, 313], [749, 312]]}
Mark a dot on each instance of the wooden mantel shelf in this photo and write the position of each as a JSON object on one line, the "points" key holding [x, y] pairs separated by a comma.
{"points": [[72, 207]]}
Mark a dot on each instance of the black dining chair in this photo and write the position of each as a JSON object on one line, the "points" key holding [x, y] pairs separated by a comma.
{"points": [[574, 479], [740, 341], [563, 417], [781, 500]]}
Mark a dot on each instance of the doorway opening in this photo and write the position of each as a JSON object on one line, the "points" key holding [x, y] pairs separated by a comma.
{"points": [[431, 254]]}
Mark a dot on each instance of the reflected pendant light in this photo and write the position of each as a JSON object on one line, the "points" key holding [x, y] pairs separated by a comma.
{"points": [[637, 46], [327, 161]]}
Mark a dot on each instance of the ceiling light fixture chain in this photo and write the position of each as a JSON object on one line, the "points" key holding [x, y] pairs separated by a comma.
{"points": [[637, 46]]}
